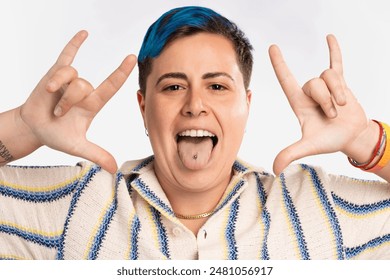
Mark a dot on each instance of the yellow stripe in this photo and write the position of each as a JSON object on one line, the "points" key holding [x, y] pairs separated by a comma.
{"points": [[99, 222], [13, 257], [222, 234], [46, 188], [363, 215], [371, 250], [32, 231]]}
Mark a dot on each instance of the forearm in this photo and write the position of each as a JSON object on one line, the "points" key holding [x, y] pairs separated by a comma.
{"points": [[16, 138]]}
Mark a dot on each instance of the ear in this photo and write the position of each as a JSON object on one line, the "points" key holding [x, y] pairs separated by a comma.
{"points": [[248, 97], [141, 104]]}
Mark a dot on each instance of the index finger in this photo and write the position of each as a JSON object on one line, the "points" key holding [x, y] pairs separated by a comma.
{"points": [[284, 75], [336, 61], [114, 82], [69, 52]]}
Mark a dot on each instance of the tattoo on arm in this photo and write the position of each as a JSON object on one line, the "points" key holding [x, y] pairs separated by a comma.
{"points": [[5, 155]]}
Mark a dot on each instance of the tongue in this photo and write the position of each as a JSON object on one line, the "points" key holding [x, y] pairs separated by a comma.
{"points": [[195, 152]]}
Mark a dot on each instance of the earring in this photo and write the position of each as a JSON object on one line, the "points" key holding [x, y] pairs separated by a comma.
{"points": [[146, 132]]}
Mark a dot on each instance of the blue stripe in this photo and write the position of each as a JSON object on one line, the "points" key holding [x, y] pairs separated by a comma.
{"points": [[135, 229], [35, 197], [331, 214], [267, 222], [294, 219], [235, 190], [265, 215], [101, 233], [40, 166], [354, 251], [50, 242], [360, 209], [79, 190], [7, 259], [239, 167], [161, 232], [230, 231], [148, 193], [144, 163]]}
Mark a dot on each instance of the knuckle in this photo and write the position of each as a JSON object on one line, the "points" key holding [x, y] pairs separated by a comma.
{"points": [[312, 84], [325, 74], [315, 82], [68, 70], [73, 71], [82, 85], [64, 74]]}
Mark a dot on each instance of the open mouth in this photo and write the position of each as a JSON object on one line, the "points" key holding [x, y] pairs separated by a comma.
{"points": [[195, 147], [197, 136]]}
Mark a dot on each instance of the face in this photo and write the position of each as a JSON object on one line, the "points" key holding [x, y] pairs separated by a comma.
{"points": [[195, 109]]}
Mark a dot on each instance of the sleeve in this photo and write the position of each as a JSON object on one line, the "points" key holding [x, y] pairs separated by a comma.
{"points": [[363, 211], [34, 204]]}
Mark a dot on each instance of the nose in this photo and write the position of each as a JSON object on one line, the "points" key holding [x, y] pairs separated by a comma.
{"points": [[195, 104]]}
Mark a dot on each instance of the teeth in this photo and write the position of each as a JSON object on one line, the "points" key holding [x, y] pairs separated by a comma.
{"points": [[196, 133]]}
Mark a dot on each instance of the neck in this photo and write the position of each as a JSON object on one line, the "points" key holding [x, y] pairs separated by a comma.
{"points": [[198, 197], [195, 202]]}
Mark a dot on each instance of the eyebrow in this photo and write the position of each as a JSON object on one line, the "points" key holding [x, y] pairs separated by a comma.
{"points": [[217, 74], [180, 75], [174, 75]]}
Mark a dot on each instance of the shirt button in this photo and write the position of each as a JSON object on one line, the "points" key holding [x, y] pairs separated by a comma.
{"points": [[177, 231]]}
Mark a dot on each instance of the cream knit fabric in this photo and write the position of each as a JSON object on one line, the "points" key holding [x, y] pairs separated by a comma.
{"points": [[83, 212]]}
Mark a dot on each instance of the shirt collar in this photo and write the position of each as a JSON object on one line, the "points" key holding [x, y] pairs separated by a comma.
{"points": [[144, 181], [137, 167]]}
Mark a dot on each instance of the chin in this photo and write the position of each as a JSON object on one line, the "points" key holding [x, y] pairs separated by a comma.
{"points": [[203, 179]]}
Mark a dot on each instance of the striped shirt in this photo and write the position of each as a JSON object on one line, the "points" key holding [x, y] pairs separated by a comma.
{"points": [[83, 212]]}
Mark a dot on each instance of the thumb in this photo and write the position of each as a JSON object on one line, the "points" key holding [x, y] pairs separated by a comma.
{"points": [[298, 150], [98, 155]]}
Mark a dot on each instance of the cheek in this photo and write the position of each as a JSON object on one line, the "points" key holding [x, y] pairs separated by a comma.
{"points": [[237, 114], [153, 112], [159, 115]]}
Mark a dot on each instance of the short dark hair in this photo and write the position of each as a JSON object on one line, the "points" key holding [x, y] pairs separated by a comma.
{"points": [[187, 21]]}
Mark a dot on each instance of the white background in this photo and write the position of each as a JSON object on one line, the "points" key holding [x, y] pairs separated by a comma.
{"points": [[34, 32]]}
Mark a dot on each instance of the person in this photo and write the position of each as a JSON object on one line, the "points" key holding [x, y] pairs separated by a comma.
{"points": [[192, 199]]}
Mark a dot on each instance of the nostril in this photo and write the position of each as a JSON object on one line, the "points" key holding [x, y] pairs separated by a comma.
{"points": [[190, 114]]}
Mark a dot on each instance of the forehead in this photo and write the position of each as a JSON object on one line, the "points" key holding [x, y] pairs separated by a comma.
{"points": [[202, 52]]}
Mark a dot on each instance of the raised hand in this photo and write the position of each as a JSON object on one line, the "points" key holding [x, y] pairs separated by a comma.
{"points": [[330, 117], [62, 106]]}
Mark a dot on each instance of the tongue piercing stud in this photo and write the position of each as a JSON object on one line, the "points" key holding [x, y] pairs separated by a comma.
{"points": [[195, 156]]}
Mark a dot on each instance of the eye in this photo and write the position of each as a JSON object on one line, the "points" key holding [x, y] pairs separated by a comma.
{"points": [[217, 87], [173, 88]]}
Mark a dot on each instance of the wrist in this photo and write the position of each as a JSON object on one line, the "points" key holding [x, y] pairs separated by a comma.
{"points": [[380, 156], [362, 149], [19, 137], [25, 130]]}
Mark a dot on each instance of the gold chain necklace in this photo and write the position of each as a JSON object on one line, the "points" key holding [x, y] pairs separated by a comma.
{"points": [[193, 217]]}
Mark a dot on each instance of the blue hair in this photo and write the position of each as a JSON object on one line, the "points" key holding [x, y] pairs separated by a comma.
{"points": [[160, 32], [186, 21]]}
